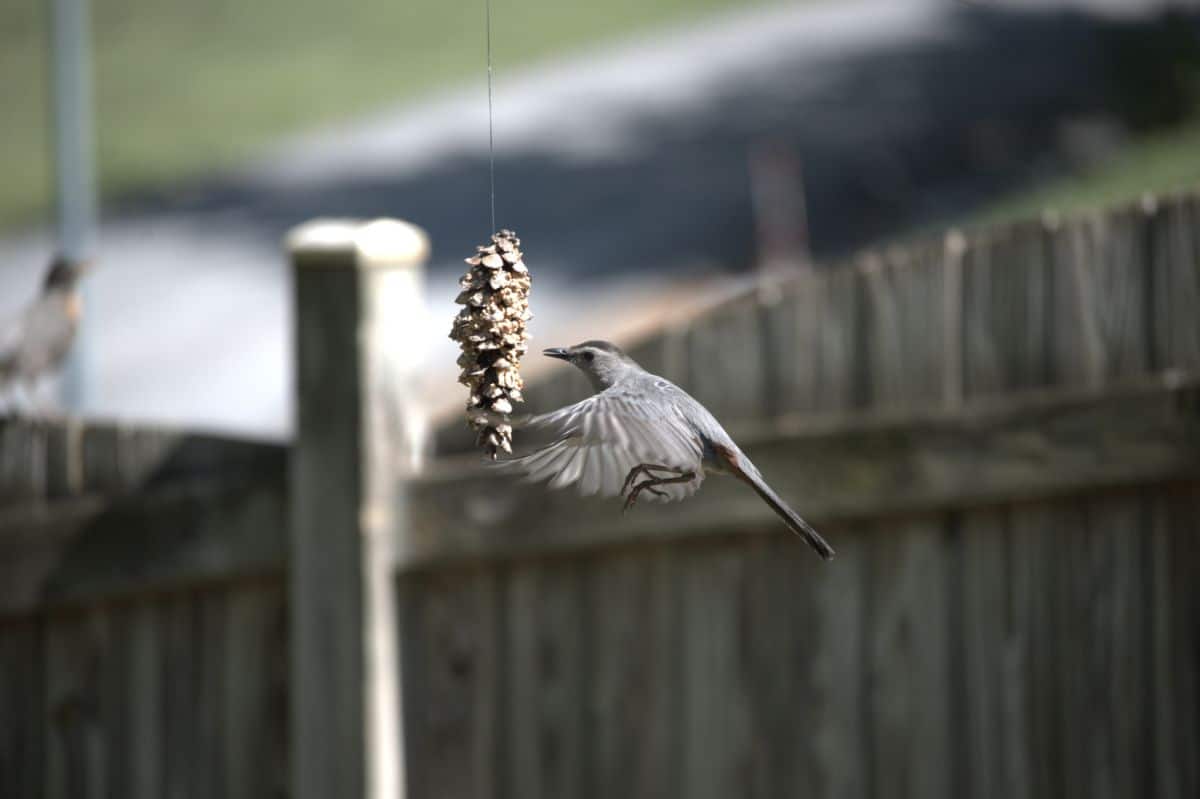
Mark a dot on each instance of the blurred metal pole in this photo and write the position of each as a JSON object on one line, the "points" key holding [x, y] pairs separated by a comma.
{"points": [[74, 168]]}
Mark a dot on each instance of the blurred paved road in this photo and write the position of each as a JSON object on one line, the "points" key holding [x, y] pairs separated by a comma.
{"points": [[622, 168]]}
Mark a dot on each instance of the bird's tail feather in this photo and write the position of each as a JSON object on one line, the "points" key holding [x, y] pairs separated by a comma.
{"points": [[789, 516]]}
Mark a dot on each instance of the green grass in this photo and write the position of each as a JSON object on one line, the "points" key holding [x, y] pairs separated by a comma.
{"points": [[1161, 162], [187, 86]]}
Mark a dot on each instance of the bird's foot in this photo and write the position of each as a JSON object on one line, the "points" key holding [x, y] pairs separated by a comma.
{"points": [[645, 485], [633, 489]]}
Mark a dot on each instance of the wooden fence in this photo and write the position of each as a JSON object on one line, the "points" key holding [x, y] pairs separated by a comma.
{"points": [[998, 431], [143, 648]]}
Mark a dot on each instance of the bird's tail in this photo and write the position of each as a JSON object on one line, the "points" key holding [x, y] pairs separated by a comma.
{"points": [[789, 516]]}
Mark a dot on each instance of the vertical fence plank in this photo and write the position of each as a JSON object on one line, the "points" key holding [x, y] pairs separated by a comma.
{"points": [[144, 703], [1004, 317], [1120, 521], [1175, 554], [909, 661], [23, 461], [1078, 354], [1100, 284], [1119, 278], [453, 684], [544, 692], [1074, 668], [253, 643], [1037, 562], [78, 752], [817, 320], [1100, 668], [208, 759], [177, 620], [635, 691], [841, 762], [716, 756], [22, 735], [839, 342], [777, 668], [984, 640], [906, 335], [792, 320], [724, 350], [1179, 258]]}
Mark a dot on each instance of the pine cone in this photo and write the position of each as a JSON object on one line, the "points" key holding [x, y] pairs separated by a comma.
{"points": [[490, 328]]}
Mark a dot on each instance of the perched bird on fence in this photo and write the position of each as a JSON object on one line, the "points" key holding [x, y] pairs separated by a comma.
{"points": [[35, 343], [640, 435]]}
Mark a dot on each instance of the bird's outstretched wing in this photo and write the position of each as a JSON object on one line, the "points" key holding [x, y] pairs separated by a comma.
{"points": [[599, 440]]}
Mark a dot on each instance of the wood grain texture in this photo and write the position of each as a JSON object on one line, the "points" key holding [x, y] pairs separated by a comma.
{"points": [[988, 643], [1176, 555], [908, 657], [727, 362], [1005, 324], [634, 610], [543, 692], [453, 687], [180, 669], [255, 720], [717, 748], [326, 573], [905, 335]]}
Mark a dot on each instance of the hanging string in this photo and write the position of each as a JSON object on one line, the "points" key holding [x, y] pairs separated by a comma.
{"points": [[491, 138]]}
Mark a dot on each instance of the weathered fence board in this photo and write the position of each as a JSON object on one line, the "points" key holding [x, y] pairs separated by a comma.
{"points": [[636, 645], [171, 694], [453, 683], [1014, 650]]}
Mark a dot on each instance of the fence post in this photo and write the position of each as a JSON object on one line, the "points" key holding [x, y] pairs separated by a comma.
{"points": [[358, 313]]}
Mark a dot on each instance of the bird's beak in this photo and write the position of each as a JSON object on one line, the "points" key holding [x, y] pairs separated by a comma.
{"points": [[557, 352]]}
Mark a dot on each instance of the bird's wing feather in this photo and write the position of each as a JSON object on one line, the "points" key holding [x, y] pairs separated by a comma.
{"points": [[599, 440]]}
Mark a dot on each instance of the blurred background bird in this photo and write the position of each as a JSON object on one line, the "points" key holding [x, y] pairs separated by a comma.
{"points": [[34, 344]]}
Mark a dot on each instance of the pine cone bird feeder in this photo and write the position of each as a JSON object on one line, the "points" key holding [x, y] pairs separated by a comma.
{"points": [[491, 331]]}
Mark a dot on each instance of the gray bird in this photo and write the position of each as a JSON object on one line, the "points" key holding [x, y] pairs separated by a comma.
{"points": [[35, 342], [640, 433]]}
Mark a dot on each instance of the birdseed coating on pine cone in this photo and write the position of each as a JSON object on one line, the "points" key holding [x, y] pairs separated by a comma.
{"points": [[490, 329]]}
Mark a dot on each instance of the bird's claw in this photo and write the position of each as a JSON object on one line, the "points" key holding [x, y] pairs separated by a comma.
{"points": [[632, 489]]}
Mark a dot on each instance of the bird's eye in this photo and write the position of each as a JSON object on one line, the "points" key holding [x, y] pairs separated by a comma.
{"points": [[589, 356]]}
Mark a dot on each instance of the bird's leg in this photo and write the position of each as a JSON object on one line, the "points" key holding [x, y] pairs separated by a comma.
{"points": [[641, 468], [652, 481], [646, 469]]}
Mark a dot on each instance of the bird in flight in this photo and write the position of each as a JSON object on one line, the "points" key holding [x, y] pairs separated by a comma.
{"points": [[639, 436]]}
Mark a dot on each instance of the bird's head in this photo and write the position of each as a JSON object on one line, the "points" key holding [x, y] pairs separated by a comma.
{"points": [[602, 362], [64, 273]]}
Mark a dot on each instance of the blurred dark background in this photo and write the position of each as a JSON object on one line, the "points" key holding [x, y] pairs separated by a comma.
{"points": [[637, 144]]}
